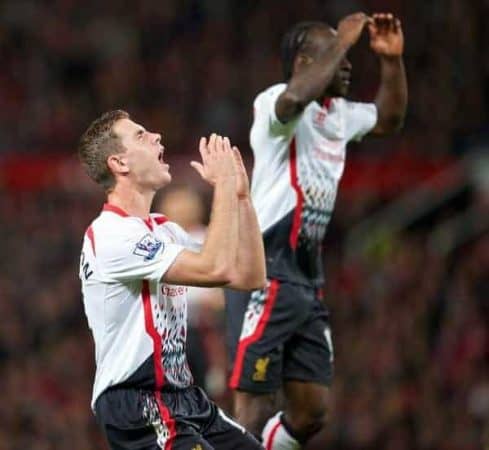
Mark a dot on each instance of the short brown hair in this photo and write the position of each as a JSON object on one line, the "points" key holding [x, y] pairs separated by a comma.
{"points": [[99, 142]]}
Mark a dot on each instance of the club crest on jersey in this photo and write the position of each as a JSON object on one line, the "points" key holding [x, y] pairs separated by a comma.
{"points": [[261, 366], [147, 247], [319, 118]]}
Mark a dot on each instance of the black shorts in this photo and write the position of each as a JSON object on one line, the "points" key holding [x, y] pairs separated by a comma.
{"points": [[180, 420], [278, 334]]}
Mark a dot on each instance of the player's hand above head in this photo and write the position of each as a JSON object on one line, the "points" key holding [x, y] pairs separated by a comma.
{"points": [[386, 37], [217, 159], [350, 28]]}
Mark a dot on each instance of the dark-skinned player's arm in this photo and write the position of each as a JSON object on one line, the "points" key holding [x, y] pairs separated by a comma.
{"points": [[387, 41], [215, 264], [250, 262], [310, 83]]}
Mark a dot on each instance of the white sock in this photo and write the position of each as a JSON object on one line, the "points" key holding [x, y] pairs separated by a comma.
{"points": [[276, 437]]}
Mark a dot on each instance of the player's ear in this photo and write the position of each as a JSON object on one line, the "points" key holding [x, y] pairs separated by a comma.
{"points": [[302, 60], [117, 164]]}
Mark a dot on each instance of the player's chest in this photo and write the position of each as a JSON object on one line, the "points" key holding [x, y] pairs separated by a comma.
{"points": [[322, 136], [324, 124], [165, 235]]}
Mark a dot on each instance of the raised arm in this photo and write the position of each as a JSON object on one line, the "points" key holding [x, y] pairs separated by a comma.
{"points": [[387, 41], [250, 270], [214, 264], [311, 82]]}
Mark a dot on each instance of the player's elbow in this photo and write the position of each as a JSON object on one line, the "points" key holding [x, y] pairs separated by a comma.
{"points": [[396, 123], [289, 105], [292, 100], [256, 281], [391, 124], [250, 281], [220, 275], [259, 283]]}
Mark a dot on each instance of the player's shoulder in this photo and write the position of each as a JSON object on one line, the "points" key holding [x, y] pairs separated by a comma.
{"points": [[106, 231], [110, 229], [160, 219], [115, 223], [167, 227], [271, 93], [164, 223]]}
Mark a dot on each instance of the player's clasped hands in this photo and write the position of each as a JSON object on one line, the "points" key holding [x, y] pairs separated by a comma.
{"points": [[221, 160], [217, 159]]}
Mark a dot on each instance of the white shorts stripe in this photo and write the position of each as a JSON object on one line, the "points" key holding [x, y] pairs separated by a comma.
{"points": [[231, 421]]}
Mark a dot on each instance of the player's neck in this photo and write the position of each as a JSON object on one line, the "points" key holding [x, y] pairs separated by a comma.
{"points": [[133, 202]]}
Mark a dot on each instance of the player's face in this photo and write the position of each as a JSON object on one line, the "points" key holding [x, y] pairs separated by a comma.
{"points": [[143, 155], [340, 85], [320, 40]]}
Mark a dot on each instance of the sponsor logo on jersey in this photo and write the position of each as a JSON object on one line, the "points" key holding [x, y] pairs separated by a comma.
{"points": [[319, 118], [325, 155], [147, 247], [261, 366], [173, 291]]}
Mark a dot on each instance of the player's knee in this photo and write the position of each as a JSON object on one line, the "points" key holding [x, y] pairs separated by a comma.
{"points": [[253, 411], [253, 420], [308, 421]]}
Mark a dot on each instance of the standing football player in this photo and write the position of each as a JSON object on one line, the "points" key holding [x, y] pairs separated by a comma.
{"points": [[135, 268], [280, 336]]}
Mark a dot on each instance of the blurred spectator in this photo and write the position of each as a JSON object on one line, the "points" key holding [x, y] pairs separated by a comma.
{"points": [[185, 66]]}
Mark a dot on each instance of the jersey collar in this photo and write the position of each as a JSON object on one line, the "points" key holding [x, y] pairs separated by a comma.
{"points": [[115, 209], [122, 213]]}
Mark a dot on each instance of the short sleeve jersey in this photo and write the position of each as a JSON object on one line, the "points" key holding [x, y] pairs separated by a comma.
{"points": [[298, 166], [137, 321]]}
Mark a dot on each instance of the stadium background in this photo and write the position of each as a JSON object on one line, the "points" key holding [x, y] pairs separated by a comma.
{"points": [[407, 253]]}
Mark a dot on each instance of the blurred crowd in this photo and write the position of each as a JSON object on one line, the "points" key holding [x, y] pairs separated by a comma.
{"points": [[187, 68], [410, 322]]}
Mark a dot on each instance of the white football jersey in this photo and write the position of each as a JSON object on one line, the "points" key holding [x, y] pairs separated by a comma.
{"points": [[139, 324], [298, 166]]}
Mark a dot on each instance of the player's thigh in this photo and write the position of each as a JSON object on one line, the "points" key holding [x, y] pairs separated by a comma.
{"points": [[253, 410], [130, 420], [309, 355], [307, 402], [308, 371], [226, 434], [121, 417], [271, 317]]}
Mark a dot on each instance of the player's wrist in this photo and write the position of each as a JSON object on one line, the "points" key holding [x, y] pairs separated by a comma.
{"points": [[343, 43], [226, 178]]}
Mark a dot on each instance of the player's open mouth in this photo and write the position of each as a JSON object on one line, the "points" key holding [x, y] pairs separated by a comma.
{"points": [[345, 77], [160, 159]]}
